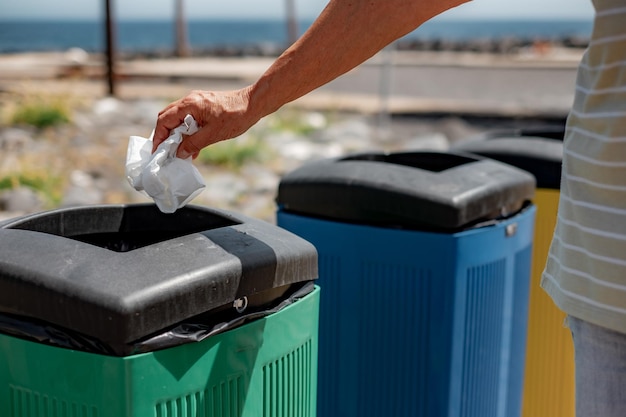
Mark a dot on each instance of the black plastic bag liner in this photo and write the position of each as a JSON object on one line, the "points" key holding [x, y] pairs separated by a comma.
{"points": [[439, 191], [118, 274], [190, 331]]}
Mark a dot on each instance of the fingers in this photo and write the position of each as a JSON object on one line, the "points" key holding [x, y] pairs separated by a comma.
{"points": [[220, 115], [169, 119], [174, 114]]}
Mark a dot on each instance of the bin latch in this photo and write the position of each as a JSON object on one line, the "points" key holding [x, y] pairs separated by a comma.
{"points": [[240, 304], [510, 230]]}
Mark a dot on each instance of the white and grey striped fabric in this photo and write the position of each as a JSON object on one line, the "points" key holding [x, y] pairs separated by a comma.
{"points": [[586, 267]]}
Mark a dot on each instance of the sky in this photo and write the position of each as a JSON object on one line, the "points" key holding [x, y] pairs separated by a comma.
{"points": [[248, 9]]}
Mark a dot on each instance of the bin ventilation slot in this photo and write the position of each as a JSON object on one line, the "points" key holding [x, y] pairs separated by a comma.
{"points": [[123, 229], [434, 162]]}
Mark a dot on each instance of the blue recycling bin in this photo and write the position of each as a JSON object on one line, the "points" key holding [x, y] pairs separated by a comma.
{"points": [[424, 268]]}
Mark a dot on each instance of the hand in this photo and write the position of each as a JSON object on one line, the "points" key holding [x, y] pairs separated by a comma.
{"points": [[220, 116]]}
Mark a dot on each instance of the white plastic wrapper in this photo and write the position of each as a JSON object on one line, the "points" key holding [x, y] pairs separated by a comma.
{"points": [[170, 181]]}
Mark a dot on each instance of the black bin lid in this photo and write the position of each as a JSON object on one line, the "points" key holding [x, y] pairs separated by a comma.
{"points": [[122, 272], [542, 156], [547, 131], [424, 190]]}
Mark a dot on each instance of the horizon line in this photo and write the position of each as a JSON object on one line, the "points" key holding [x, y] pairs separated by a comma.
{"points": [[269, 18]]}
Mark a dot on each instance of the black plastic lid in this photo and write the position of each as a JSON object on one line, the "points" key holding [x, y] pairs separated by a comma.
{"points": [[423, 190], [119, 273], [541, 156], [547, 131]]}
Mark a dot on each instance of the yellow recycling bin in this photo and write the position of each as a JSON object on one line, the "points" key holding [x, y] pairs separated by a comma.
{"points": [[549, 379], [549, 372]]}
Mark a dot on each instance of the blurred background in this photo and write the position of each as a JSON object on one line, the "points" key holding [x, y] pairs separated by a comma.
{"points": [[77, 78]]}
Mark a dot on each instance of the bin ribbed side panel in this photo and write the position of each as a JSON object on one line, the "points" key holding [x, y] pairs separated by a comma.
{"points": [[221, 400], [393, 347], [28, 403], [521, 294], [287, 384], [482, 341], [329, 369]]}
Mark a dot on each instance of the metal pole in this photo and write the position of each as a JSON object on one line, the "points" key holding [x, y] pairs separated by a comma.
{"points": [[182, 45], [292, 23], [110, 49]]}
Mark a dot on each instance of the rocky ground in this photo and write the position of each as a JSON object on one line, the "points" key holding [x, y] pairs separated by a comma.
{"points": [[84, 160]]}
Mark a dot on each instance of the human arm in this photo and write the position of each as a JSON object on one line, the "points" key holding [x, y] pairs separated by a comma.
{"points": [[347, 33]]}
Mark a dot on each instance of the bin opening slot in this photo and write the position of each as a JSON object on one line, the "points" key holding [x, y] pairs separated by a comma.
{"points": [[123, 228], [429, 161]]}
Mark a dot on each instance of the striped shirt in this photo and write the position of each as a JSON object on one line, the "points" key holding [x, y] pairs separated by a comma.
{"points": [[585, 272]]}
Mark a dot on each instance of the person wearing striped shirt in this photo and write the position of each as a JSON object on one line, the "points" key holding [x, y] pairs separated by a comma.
{"points": [[585, 272]]}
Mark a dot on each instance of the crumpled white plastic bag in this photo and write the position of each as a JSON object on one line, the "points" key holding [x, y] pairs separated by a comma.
{"points": [[170, 181]]}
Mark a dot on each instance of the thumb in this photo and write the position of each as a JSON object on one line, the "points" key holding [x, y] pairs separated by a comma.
{"points": [[188, 146], [192, 145]]}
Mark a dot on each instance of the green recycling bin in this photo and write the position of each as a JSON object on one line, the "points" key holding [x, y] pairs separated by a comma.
{"points": [[122, 311]]}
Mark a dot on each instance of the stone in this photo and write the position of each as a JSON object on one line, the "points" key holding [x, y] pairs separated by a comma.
{"points": [[21, 199], [15, 139]]}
